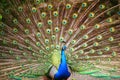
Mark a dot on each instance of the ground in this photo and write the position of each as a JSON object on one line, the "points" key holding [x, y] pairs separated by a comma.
{"points": [[74, 76]]}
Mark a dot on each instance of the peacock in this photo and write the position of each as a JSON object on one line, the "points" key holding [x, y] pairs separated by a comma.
{"points": [[59, 39]]}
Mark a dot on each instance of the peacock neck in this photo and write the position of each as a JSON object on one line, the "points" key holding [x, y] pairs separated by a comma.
{"points": [[63, 57]]}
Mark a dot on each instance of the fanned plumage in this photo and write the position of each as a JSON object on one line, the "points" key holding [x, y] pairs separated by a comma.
{"points": [[32, 31]]}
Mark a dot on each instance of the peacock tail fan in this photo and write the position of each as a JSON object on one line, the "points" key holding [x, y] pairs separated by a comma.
{"points": [[32, 34]]}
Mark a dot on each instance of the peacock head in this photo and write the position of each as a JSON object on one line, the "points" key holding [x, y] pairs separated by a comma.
{"points": [[64, 47]]}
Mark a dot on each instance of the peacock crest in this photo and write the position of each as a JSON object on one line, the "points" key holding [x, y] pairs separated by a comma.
{"points": [[33, 32]]}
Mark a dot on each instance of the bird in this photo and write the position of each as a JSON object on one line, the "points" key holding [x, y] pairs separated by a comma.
{"points": [[59, 39], [63, 71]]}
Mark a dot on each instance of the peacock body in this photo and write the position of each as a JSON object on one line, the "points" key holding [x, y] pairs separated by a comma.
{"points": [[59, 39]]}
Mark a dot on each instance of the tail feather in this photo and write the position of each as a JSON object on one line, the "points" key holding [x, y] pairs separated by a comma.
{"points": [[30, 30]]}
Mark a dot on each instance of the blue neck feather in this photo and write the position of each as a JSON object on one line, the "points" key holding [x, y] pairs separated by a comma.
{"points": [[63, 72]]}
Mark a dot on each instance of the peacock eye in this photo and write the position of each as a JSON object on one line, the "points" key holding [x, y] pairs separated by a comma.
{"points": [[20, 9], [99, 37], [39, 24], [82, 27], [38, 34], [2, 25], [92, 51], [11, 52], [91, 15], [53, 37], [109, 20], [14, 42], [97, 26], [75, 15], [73, 41], [109, 13], [57, 47], [21, 48], [85, 37], [118, 12], [84, 45], [114, 54], [112, 29], [48, 31], [34, 9], [43, 14], [50, 6], [15, 21], [52, 46], [0, 17], [28, 20], [41, 51], [47, 48], [61, 39], [55, 13], [70, 61], [81, 51], [101, 6], [70, 31], [100, 52], [68, 55], [29, 60], [17, 57], [56, 29], [46, 41], [33, 54], [2, 33], [24, 54], [107, 48], [49, 22], [27, 31], [22, 65], [95, 44], [7, 11], [4, 41], [98, 61], [30, 48], [3, 55], [87, 57], [111, 39], [37, 1], [27, 41], [84, 4], [68, 6], [38, 44], [64, 22], [76, 56], [15, 30]]}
